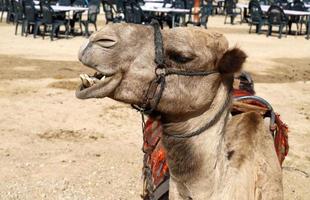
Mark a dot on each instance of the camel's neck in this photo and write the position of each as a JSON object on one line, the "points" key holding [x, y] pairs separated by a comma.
{"points": [[192, 160]]}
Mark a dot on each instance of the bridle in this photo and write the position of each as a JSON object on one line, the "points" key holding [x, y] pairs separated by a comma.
{"points": [[161, 72]]}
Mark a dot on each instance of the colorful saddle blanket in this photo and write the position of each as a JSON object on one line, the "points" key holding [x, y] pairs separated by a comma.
{"points": [[155, 170]]}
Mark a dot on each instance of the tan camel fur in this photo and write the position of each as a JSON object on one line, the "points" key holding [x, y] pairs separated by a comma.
{"points": [[234, 159]]}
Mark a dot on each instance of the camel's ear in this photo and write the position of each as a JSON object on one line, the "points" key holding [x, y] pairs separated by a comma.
{"points": [[231, 61]]}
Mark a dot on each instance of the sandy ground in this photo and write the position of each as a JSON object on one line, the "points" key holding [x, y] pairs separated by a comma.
{"points": [[54, 146]]}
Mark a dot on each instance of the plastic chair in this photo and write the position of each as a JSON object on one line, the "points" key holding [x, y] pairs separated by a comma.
{"points": [[109, 11], [257, 17], [3, 8], [64, 2], [276, 17], [206, 11], [19, 18], [50, 22], [11, 12], [218, 7], [308, 29], [189, 4], [179, 19], [281, 3], [264, 2], [79, 3], [77, 15], [93, 11], [231, 11], [133, 13], [31, 18], [199, 16], [299, 6], [119, 6]]}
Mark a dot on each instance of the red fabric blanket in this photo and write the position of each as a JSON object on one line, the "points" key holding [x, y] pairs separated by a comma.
{"points": [[155, 159]]}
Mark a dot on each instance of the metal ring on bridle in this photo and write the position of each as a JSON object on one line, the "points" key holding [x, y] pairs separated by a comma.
{"points": [[160, 71], [157, 86]]}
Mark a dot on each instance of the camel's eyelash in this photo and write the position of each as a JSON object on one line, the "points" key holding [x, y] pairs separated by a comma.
{"points": [[105, 40], [179, 57]]}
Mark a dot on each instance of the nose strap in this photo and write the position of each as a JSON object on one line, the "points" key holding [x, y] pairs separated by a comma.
{"points": [[153, 95], [159, 45]]}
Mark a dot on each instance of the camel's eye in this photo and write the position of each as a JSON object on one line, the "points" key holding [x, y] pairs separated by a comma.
{"points": [[106, 42], [180, 57]]}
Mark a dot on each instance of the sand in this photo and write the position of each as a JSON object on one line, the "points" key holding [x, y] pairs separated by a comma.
{"points": [[54, 146]]}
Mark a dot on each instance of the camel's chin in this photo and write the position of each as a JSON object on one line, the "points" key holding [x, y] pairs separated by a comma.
{"points": [[92, 87]]}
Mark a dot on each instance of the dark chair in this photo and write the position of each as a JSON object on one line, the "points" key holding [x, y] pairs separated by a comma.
{"points": [[299, 6], [77, 15], [109, 12], [276, 17], [231, 11], [203, 13], [133, 13], [280, 3], [189, 4], [206, 11], [11, 11], [308, 28], [218, 7], [93, 11], [119, 6], [264, 2], [94, 2], [32, 18], [19, 18], [179, 19], [257, 17], [288, 6], [79, 3], [162, 17], [64, 2], [3, 8], [49, 21], [200, 16]]}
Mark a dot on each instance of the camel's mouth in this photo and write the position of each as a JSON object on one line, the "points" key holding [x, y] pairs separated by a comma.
{"points": [[99, 85], [89, 81]]}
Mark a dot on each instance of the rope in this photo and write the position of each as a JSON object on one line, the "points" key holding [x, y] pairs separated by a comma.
{"points": [[171, 71], [160, 80], [205, 127], [159, 47]]}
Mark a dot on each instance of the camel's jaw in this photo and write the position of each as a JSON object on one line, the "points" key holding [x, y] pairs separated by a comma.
{"points": [[99, 85], [104, 81]]}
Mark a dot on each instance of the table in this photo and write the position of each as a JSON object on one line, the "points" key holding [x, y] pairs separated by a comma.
{"points": [[172, 11], [156, 4], [69, 9], [64, 8], [287, 12], [158, 1]]}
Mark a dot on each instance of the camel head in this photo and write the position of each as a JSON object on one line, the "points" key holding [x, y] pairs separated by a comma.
{"points": [[123, 56]]}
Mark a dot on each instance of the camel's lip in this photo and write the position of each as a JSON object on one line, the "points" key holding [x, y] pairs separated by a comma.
{"points": [[99, 85]]}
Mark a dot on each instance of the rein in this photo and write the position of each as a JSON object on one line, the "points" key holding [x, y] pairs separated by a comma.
{"points": [[161, 72]]}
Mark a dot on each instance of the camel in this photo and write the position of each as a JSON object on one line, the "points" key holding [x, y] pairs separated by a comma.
{"points": [[233, 157]]}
